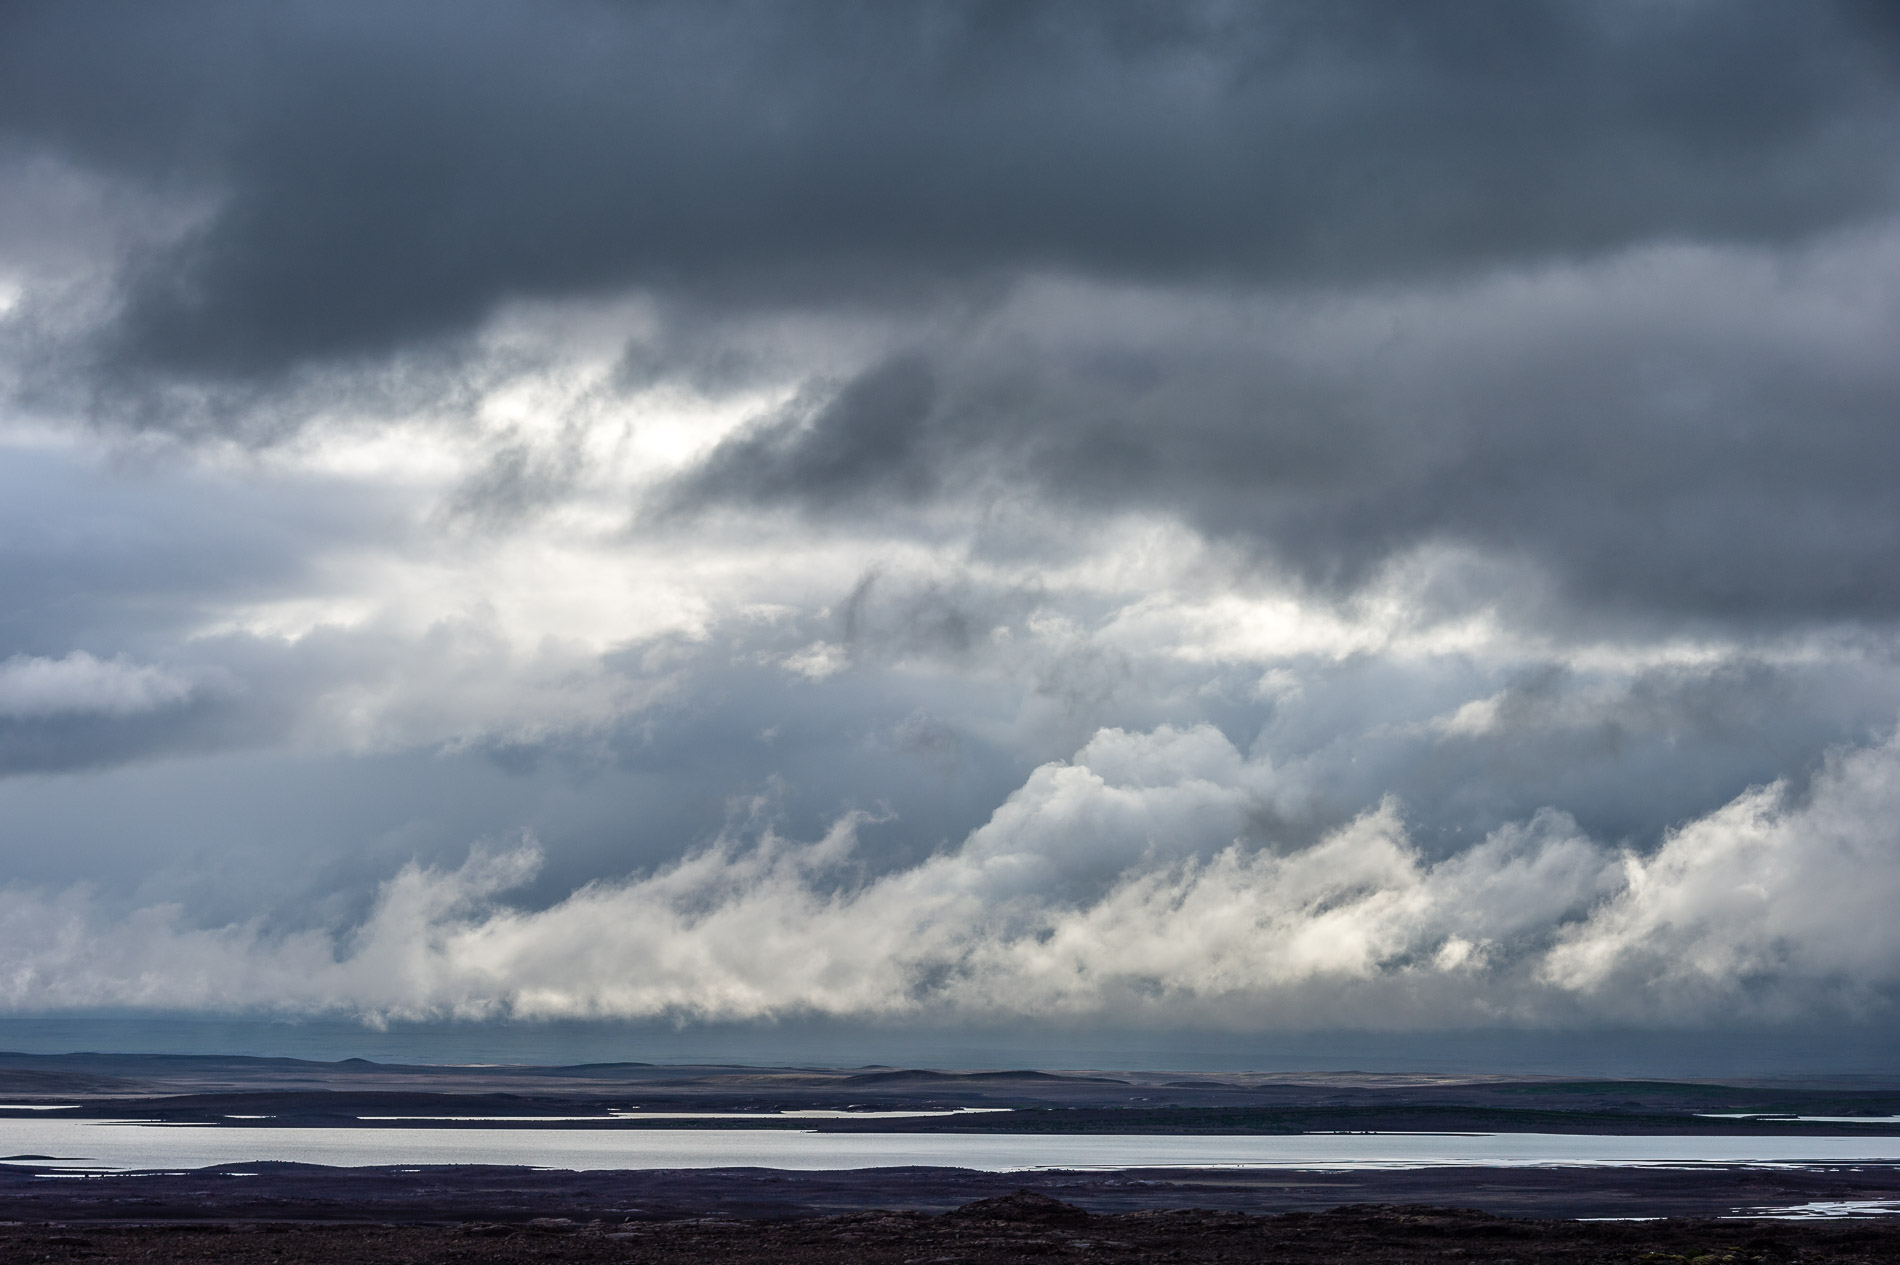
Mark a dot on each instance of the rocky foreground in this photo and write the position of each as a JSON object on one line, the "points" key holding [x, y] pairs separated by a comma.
{"points": [[1009, 1228]]}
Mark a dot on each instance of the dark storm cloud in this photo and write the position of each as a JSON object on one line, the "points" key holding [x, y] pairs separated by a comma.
{"points": [[388, 173], [1693, 432], [871, 440], [1707, 467], [380, 178]]}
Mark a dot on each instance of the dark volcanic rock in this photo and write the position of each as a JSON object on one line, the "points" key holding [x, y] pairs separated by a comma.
{"points": [[976, 1236], [1027, 1206], [45, 1192]]}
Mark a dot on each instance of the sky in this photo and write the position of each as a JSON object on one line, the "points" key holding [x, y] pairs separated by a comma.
{"points": [[1046, 519]]}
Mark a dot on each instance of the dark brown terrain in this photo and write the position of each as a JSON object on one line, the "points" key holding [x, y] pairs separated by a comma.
{"points": [[464, 1193], [1005, 1229]]}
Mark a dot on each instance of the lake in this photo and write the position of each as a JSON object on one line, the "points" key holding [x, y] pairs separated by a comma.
{"points": [[104, 1145]]}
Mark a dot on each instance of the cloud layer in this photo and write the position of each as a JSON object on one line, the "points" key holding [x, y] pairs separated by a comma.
{"points": [[1123, 885], [1321, 514], [384, 177]]}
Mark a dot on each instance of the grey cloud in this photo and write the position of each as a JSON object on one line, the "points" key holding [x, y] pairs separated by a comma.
{"points": [[516, 481], [860, 445], [1106, 887], [78, 712], [111, 559], [1674, 432], [387, 174], [77, 743], [1116, 336], [1627, 754], [933, 728], [138, 570], [378, 184], [82, 685]]}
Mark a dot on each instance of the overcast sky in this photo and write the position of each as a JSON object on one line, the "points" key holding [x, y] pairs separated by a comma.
{"points": [[1193, 516]]}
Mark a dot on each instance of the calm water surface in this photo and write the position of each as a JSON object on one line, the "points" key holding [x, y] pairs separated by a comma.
{"points": [[117, 1145]]}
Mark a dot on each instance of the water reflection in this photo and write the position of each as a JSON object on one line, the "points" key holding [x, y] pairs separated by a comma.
{"points": [[106, 1146]]}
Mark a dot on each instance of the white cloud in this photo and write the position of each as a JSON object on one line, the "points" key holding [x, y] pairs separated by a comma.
{"points": [[1479, 716], [1125, 884], [34, 688], [818, 660], [1774, 893]]}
